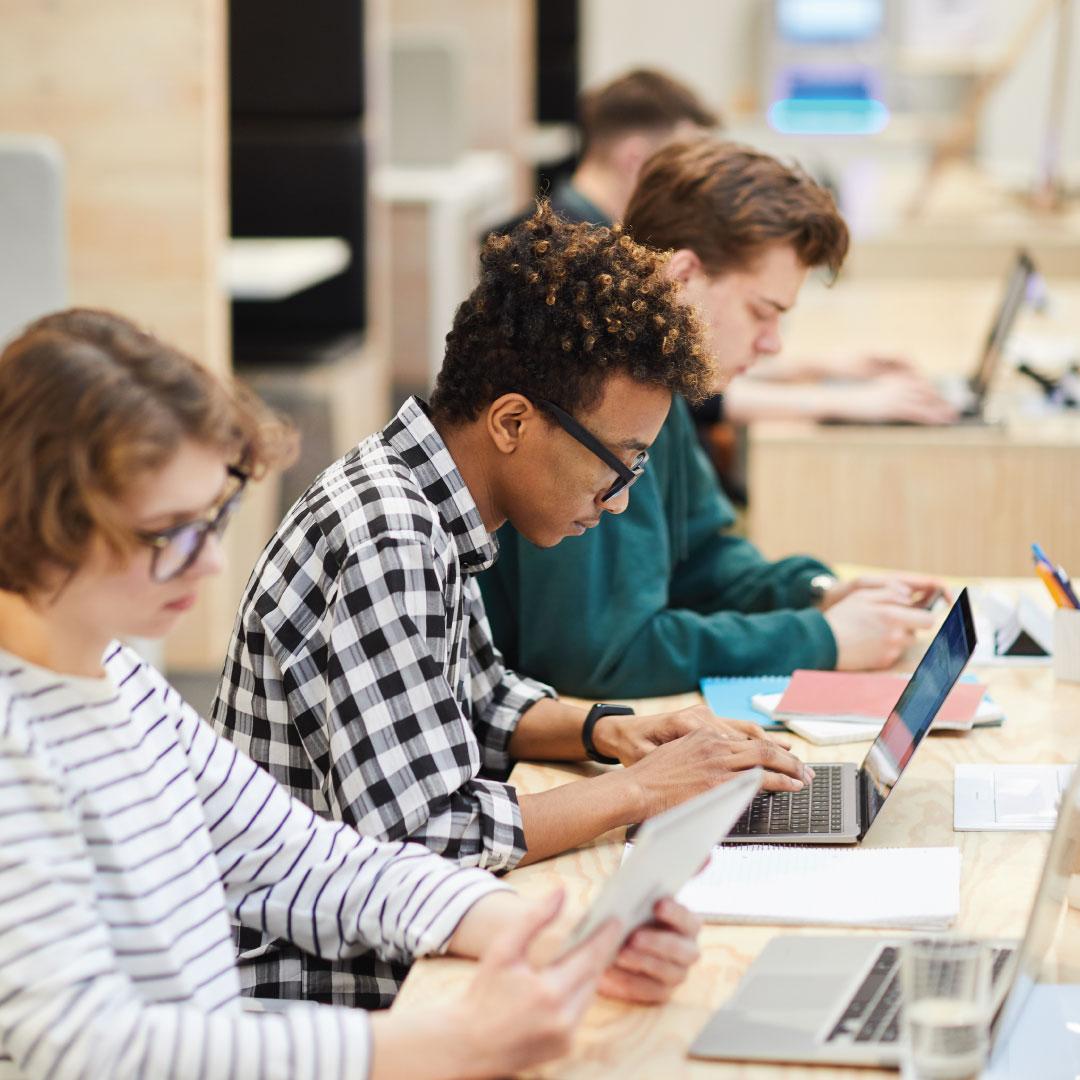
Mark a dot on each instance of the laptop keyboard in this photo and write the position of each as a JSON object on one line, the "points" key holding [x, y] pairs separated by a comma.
{"points": [[873, 1014], [816, 809]]}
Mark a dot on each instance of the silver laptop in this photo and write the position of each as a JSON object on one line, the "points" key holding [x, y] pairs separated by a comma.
{"points": [[971, 399], [840, 804], [968, 393], [836, 999]]}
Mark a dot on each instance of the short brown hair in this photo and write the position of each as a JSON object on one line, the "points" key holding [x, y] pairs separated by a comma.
{"points": [[558, 308], [727, 202], [88, 404], [640, 100]]}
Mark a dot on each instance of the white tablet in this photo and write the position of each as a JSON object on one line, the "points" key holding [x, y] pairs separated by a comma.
{"points": [[668, 850]]}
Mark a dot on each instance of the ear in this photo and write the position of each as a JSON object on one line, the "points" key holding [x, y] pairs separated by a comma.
{"points": [[684, 265], [507, 420]]}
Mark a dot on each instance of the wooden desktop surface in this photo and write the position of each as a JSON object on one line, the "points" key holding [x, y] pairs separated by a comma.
{"points": [[999, 875], [960, 500]]}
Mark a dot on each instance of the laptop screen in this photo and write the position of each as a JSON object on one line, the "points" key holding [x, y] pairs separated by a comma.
{"points": [[1016, 288], [912, 715]]}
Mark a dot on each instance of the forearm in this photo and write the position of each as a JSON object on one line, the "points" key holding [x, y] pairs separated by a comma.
{"points": [[426, 1043], [549, 731], [749, 399], [571, 815], [485, 920]]}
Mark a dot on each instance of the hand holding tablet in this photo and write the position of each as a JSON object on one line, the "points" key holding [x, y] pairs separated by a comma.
{"points": [[668, 850]]}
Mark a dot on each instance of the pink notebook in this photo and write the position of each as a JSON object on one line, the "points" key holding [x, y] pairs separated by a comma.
{"points": [[865, 697]]}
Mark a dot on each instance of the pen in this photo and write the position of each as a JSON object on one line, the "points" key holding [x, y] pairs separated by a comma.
{"points": [[1064, 585], [1053, 587]]}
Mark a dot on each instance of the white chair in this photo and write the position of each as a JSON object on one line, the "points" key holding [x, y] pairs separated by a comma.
{"points": [[33, 249]]}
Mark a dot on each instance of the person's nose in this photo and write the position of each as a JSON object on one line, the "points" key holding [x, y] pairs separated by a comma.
{"points": [[769, 342], [616, 505]]}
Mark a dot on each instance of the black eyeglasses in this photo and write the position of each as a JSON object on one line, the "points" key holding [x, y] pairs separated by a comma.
{"points": [[176, 549], [626, 474]]}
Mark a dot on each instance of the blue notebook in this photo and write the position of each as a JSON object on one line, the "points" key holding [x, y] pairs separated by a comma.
{"points": [[730, 697]]}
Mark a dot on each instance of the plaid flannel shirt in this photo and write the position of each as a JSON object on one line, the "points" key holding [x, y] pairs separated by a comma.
{"points": [[362, 675]]}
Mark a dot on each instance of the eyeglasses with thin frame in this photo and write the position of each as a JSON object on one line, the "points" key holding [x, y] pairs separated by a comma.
{"points": [[626, 474], [176, 549]]}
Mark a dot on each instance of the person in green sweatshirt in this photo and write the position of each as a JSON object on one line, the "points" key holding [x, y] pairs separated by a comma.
{"points": [[650, 602]]}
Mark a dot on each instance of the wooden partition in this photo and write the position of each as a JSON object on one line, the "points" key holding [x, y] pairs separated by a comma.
{"points": [[135, 96]]}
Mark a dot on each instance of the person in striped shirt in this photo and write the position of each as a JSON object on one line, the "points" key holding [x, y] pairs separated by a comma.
{"points": [[130, 833]]}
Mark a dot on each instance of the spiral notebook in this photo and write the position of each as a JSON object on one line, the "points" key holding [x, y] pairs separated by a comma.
{"points": [[907, 888]]}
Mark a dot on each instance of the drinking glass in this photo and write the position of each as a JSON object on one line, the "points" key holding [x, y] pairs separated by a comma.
{"points": [[946, 1008]]}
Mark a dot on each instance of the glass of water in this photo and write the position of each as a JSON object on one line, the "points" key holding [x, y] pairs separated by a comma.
{"points": [[946, 1008]]}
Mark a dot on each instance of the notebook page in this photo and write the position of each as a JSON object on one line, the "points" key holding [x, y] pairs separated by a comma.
{"points": [[886, 887]]}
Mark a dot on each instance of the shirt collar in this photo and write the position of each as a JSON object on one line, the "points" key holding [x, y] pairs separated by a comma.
{"points": [[412, 435], [568, 201]]}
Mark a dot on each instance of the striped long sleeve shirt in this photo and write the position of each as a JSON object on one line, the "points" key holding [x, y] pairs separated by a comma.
{"points": [[130, 833]]}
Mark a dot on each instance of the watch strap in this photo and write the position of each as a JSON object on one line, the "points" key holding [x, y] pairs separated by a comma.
{"points": [[598, 712]]}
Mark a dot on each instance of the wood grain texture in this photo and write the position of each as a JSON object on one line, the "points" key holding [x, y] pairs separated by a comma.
{"points": [[136, 97], [999, 876]]}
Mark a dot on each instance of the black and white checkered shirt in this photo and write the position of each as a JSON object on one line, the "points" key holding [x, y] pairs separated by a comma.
{"points": [[362, 675]]}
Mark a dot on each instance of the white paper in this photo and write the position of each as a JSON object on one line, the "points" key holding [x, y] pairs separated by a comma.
{"points": [[916, 888]]}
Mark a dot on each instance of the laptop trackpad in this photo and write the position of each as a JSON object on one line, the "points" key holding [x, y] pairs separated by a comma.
{"points": [[807, 997]]}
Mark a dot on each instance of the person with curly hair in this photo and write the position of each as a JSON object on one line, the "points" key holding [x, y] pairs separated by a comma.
{"points": [[361, 671], [693, 600]]}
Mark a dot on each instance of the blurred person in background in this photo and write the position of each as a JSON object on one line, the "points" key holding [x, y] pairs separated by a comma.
{"points": [[621, 124]]}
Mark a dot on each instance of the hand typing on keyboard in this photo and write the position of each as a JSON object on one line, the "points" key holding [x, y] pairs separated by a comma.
{"points": [[816, 808]]}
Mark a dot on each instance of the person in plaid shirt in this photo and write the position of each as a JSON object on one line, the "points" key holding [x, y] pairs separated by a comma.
{"points": [[361, 671]]}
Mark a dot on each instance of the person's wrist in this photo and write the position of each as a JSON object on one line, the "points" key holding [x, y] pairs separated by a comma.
{"points": [[632, 802], [822, 588], [600, 738], [607, 735]]}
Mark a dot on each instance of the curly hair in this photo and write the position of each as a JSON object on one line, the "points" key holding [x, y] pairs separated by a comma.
{"points": [[559, 307], [89, 403]]}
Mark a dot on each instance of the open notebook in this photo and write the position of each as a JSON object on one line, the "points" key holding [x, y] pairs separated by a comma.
{"points": [[916, 888]]}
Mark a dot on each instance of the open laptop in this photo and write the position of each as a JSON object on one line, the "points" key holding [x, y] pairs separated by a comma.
{"points": [[835, 999], [840, 804], [968, 393], [972, 398]]}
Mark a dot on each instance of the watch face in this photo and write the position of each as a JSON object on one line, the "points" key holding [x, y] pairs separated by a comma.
{"points": [[820, 584]]}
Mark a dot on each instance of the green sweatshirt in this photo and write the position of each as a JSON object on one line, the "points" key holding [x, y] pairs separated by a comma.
{"points": [[653, 599]]}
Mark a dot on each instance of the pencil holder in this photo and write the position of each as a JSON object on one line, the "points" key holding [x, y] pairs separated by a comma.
{"points": [[1067, 644]]}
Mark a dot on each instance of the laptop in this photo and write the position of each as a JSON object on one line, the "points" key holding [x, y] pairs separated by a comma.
{"points": [[1008, 798], [840, 804], [835, 1000], [968, 394]]}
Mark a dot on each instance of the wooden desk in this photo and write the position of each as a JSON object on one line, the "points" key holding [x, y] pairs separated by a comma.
{"points": [[961, 501], [1000, 872]]}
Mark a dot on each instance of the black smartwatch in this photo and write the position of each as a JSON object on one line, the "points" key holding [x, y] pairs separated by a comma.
{"points": [[596, 713]]}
